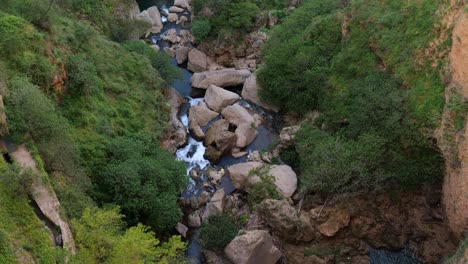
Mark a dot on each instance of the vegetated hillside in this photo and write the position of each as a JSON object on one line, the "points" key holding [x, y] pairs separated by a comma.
{"points": [[94, 110], [374, 70]]}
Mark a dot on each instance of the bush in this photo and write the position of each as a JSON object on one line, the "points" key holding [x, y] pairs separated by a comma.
{"points": [[82, 76], [265, 189], [145, 181], [217, 232], [201, 29], [298, 57]]}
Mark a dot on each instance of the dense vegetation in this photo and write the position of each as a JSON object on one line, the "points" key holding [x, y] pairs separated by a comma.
{"points": [[92, 111], [218, 231], [378, 91]]}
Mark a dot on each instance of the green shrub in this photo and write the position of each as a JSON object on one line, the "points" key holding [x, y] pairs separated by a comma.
{"points": [[217, 232], [262, 190], [82, 76], [201, 29], [145, 181]]}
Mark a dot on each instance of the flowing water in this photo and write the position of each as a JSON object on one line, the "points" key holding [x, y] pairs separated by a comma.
{"points": [[192, 153]]}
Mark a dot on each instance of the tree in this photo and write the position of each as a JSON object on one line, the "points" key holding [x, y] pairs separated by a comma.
{"points": [[218, 231]]}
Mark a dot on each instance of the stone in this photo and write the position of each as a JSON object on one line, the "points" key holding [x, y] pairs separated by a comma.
{"points": [[172, 17], [172, 36], [215, 129], [218, 98], [194, 174], [215, 176], [237, 153], [182, 3], [337, 219], [287, 135], [239, 173], [246, 130], [250, 93], [144, 16], [222, 78], [199, 116], [212, 154], [181, 55], [204, 198], [197, 61], [176, 135], [285, 179], [175, 9], [182, 229], [155, 47], [169, 52], [183, 19], [216, 204], [194, 219], [252, 247], [254, 156], [185, 35], [226, 141]]}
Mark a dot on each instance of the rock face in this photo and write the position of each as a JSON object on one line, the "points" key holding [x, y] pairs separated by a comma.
{"points": [[218, 98], [222, 78], [199, 116], [455, 187], [197, 61], [177, 134], [250, 93], [246, 124], [239, 173], [285, 179], [253, 247]]}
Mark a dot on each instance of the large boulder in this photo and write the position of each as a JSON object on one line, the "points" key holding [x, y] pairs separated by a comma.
{"points": [[172, 17], [240, 173], [285, 221], [338, 218], [182, 3], [250, 93], [175, 9], [194, 219], [177, 133], [213, 154], [215, 129], [197, 61], [246, 124], [223, 78], [199, 116], [216, 204], [285, 179], [218, 98], [253, 247], [157, 24], [181, 54]]}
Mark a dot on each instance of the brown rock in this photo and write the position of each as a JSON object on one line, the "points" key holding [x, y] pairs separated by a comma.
{"points": [[246, 124], [176, 9], [194, 219], [199, 116], [239, 173], [216, 204], [215, 129], [226, 141], [285, 180], [337, 219], [212, 154], [197, 61], [218, 98], [222, 78], [182, 229], [181, 54], [250, 93], [172, 17], [252, 247]]}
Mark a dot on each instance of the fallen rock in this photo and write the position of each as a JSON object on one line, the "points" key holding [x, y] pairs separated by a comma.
{"points": [[288, 134], [212, 154], [175, 9], [185, 35], [177, 133], [215, 176], [172, 36], [338, 219], [239, 173], [218, 98], [170, 52], [172, 17], [250, 93], [182, 3], [199, 116], [246, 130], [285, 179], [194, 219], [197, 61], [181, 55], [182, 19], [182, 229], [216, 204], [222, 78], [252, 247], [155, 47], [237, 153], [194, 174], [215, 129], [157, 24], [226, 141]]}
